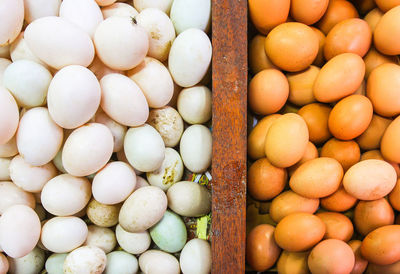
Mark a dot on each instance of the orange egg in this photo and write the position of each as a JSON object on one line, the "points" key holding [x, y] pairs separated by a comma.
{"points": [[350, 117], [339, 201], [376, 154], [386, 5], [347, 153], [387, 269], [256, 139], [292, 46], [390, 145], [258, 59], [289, 202], [261, 248], [383, 89], [293, 263], [331, 256], [387, 32], [308, 11], [338, 10], [266, 14], [338, 226], [394, 196], [316, 116], [364, 6], [373, 17], [299, 232], [289, 108], [371, 138], [360, 263], [268, 91], [301, 86], [361, 89], [310, 153], [374, 59], [350, 35], [320, 59]]}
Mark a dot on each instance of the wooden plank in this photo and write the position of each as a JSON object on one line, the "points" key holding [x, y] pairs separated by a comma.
{"points": [[229, 65]]}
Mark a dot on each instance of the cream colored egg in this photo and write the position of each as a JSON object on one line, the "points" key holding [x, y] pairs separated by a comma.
{"points": [[190, 57], [4, 169], [121, 262], [194, 104], [103, 215], [157, 261], [196, 148], [57, 161], [87, 149], [19, 230], [64, 234], [101, 237], [86, 259], [196, 257], [11, 194], [119, 9], [114, 183], [12, 18], [118, 131], [144, 148], [9, 116], [59, 43], [133, 243], [143, 209], [3, 65], [73, 97], [9, 149], [4, 265], [38, 137], [163, 5], [28, 82], [120, 43], [160, 30], [35, 9], [19, 50], [123, 100], [31, 263], [104, 3], [186, 14], [101, 70], [5, 51], [54, 263], [140, 182], [31, 178]]}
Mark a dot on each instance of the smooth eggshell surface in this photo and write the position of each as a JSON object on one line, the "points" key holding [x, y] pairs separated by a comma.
{"points": [[196, 257], [191, 14], [120, 261], [86, 259], [11, 194], [9, 116], [134, 243], [12, 14], [156, 261], [35, 9]]}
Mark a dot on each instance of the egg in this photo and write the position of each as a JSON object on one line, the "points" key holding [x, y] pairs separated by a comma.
{"points": [[133, 243], [100, 70], [371, 138], [338, 226], [196, 257], [101, 237], [131, 42], [385, 32], [191, 14], [194, 104], [118, 131], [336, 12], [31, 263], [11, 194], [373, 17], [163, 5], [4, 169], [331, 256], [266, 14], [9, 149], [394, 196], [339, 201], [140, 182], [4, 265], [156, 261], [301, 86], [308, 12], [389, 147], [103, 215], [120, 261], [5, 52], [19, 50], [104, 3], [316, 117], [4, 63], [347, 153], [9, 116], [386, 5], [310, 153], [258, 59], [119, 9], [89, 259], [293, 263], [319, 60], [19, 230], [360, 263], [374, 59], [54, 263], [12, 13]]}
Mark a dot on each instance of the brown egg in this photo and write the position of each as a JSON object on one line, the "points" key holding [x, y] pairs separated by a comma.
{"points": [[293, 263], [292, 46], [338, 226], [350, 35], [382, 246], [268, 91], [265, 181], [371, 138], [374, 59], [360, 263], [339, 77], [266, 14], [361, 89], [339, 201], [299, 232], [320, 59], [258, 59], [256, 139], [331, 256], [316, 116], [347, 153], [386, 269], [373, 17], [310, 153], [289, 108], [261, 248], [364, 6], [301, 86], [286, 140], [376, 154], [308, 11], [337, 11], [255, 216], [394, 196], [370, 180], [350, 117], [390, 145], [386, 5], [289, 202], [317, 178], [387, 32]]}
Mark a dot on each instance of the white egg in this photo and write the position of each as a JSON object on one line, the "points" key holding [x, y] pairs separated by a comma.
{"points": [[12, 18], [101, 70], [5, 51], [186, 14], [196, 257], [101, 237], [120, 43], [9, 116], [190, 57], [160, 30], [57, 161], [134, 243], [31, 263], [11, 194], [87, 149], [104, 3], [157, 261], [196, 148], [119, 9], [38, 137], [4, 169], [4, 265], [59, 43], [140, 182], [28, 82], [31, 178], [54, 263], [19, 50], [63, 234], [118, 131], [144, 148], [86, 259], [74, 96], [143, 209], [121, 262], [86, 14], [194, 104], [19, 230], [158, 93], [4, 63], [123, 100], [9, 149], [103, 215], [35, 9], [163, 5], [66, 195]]}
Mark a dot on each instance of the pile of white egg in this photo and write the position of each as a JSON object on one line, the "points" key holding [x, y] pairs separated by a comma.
{"points": [[101, 109]]}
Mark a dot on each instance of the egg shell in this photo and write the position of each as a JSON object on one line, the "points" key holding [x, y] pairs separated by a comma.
{"points": [[68, 44], [194, 104], [347, 153], [120, 261], [86, 259], [373, 17], [133, 243], [163, 5], [301, 86], [118, 131], [308, 12], [190, 57], [36, 9], [19, 230], [386, 5], [394, 196], [5, 52], [201, 251], [370, 179], [103, 215], [156, 261], [19, 50], [100, 69], [140, 182], [338, 226], [54, 263], [104, 3], [360, 263], [119, 9], [101, 237], [387, 269], [258, 59], [4, 169], [9, 116], [293, 263], [31, 263], [374, 59], [266, 15], [191, 14], [310, 153], [11, 194], [385, 32], [335, 13], [319, 61], [389, 145], [4, 63], [371, 138], [4, 265], [196, 148], [339, 201], [12, 13], [316, 117]]}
